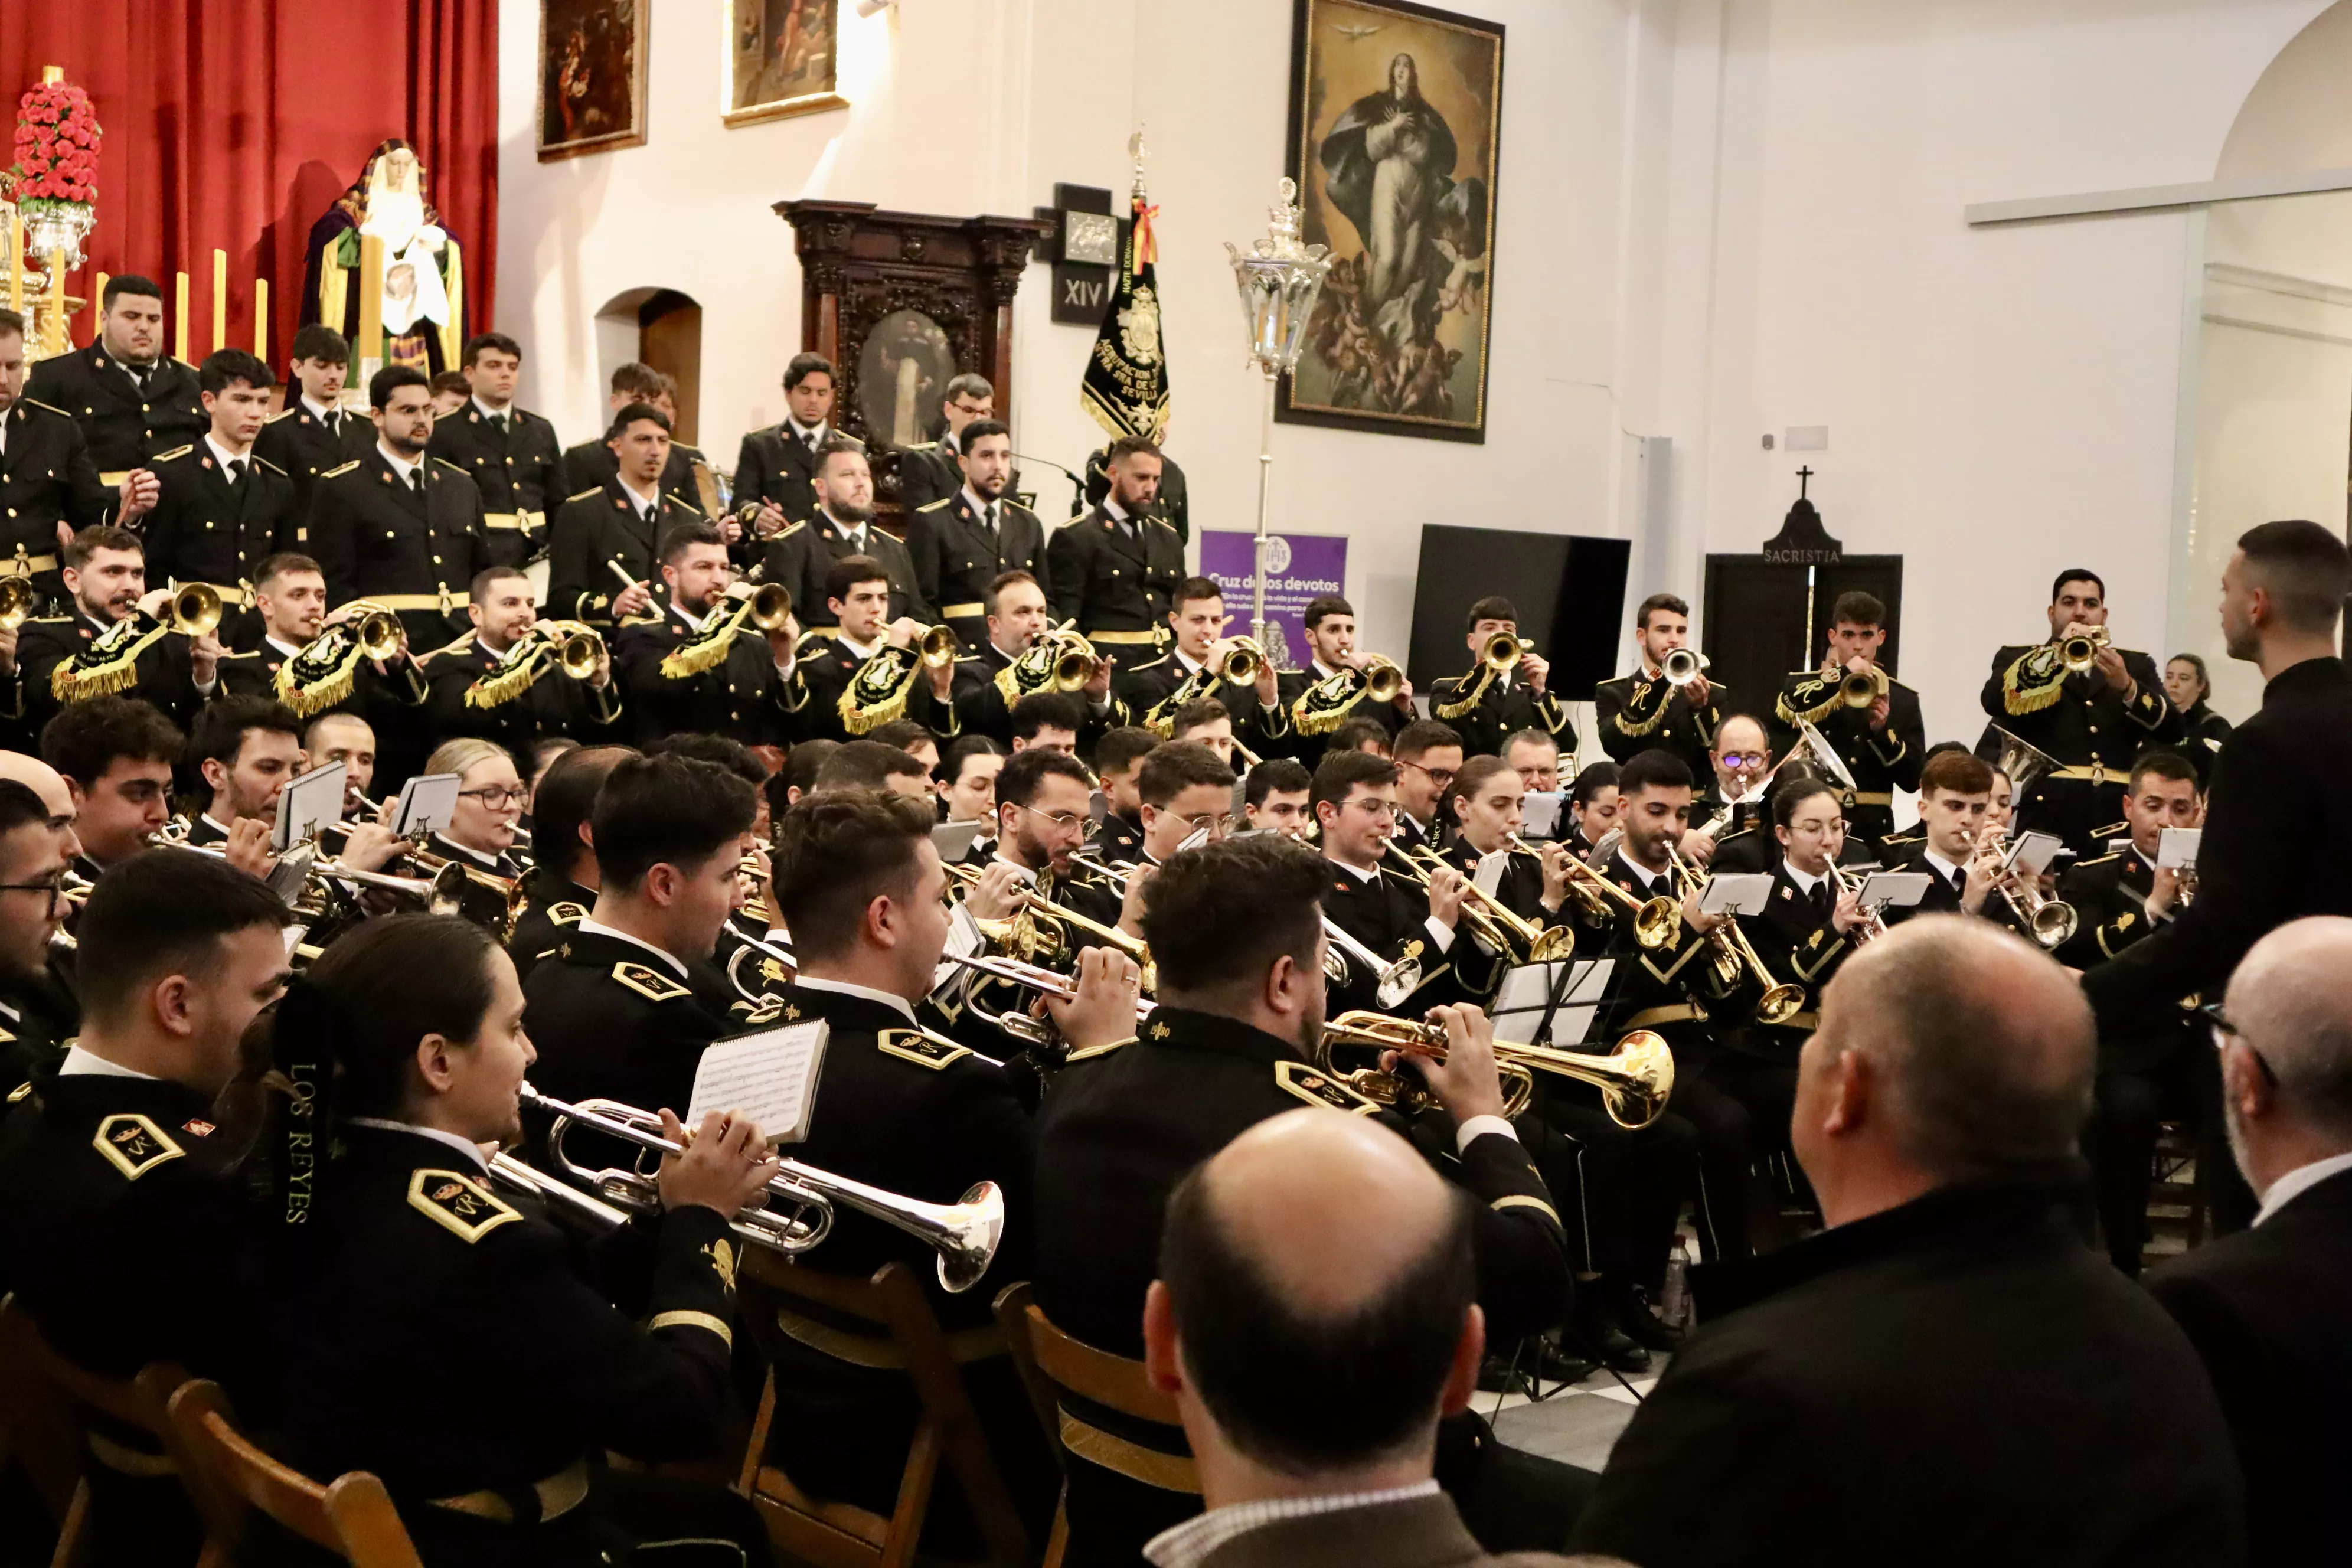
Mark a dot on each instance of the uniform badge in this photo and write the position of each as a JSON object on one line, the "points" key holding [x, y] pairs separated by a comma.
{"points": [[920, 1046], [457, 1204], [721, 1254], [20, 1091], [1102, 1050], [134, 1145], [567, 914], [1159, 1031], [770, 969], [2124, 920], [197, 1125], [1317, 1087], [649, 983]]}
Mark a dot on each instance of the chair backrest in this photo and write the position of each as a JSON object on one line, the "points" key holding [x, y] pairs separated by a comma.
{"points": [[1053, 1362], [42, 1430], [353, 1516]]}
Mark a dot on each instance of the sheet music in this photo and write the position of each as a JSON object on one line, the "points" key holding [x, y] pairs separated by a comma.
{"points": [[963, 940], [1540, 814], [308, 803], [1527, 990], [2177, 850], [1744, 893], [1489, 875], [426, 803], [769, 1077]]}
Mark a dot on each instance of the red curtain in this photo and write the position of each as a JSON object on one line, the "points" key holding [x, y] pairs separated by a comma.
{"points": [[233, 124]]}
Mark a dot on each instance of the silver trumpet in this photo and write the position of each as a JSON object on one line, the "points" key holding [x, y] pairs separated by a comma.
{"points": [[964, 1234], [1393, 983], [1022, 1026]]}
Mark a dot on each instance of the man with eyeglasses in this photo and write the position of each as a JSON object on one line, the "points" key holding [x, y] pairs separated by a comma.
{"points": [[38, 1010], [1042, 820], [931, 472], [1354, 798], [1733, 804], [1428, 757]]}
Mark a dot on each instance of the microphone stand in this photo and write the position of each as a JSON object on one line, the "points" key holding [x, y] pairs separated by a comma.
{"points": [[1077, 482]]}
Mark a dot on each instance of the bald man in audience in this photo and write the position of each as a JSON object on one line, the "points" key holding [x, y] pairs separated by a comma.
{"points": [[50, 785], [1322, 1246], [2270, 1309], [1945, 1375]]}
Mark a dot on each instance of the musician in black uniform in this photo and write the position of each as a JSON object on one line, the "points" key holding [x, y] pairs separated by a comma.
{"points": [[412, 1031], [1392, 912], [1115, 570], [838, 704], [130, 399], [933, 470], [39, 1012], [1958, 849], [1481, 811], [840, 524], [861, 887], [224, 509], [2118, 899], [624, 1008], [330, 676], [1151, 693], [1428, 756], [1646, 711], [1235, 932], [1882, 742], [601, 536], [1485, 706], [1730, 814], [513, 454], [1171, 504], [108, 644], [47, 477], [473, 690], [114, 1179], [591, 464], [1012, 666], [2202, 731], [779, 464], [967, 538], [2091, 724], [397, 526], [315, 432], [116, 755], [562, 886], [1334, 674], [700, 665], [1119, 765]]}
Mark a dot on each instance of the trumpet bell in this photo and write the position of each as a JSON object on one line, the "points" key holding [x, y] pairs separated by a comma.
{"points": [[1502, 653], [1861, 688], [1382, 679], [195, 610], [1779, 1003], [772, 606], [2054, 923], [1683, 665], [940, 647], [18, 600], [1242, 662], [2079, 653], [1656, 923], [379, 635]]}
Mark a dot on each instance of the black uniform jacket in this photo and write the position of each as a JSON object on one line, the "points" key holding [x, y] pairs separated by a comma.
{"points": [[427, 1291], [823, 669], [802, 556], [306, 445], [1147, 695], [613, 1021], [1642, 711], [205, 529], [553, 704], [389, 702], [1968, 1323], [776, 465], [1310, 724], [983, 709], [553, 905], [1681, 989], [1944, 892], [1110, 576], [416, 555], [592, 532], [591, 466], [116, 1199], [927, 472], [2085, 725], [739, 695], [1172, 505], [39, 1016], [47, 477], [957, 556], [2109, 895], [1800, 946], [2258, 866], [159, 671], [1882, 761], [1484, 711], [1389, 913], [2203, 733], [2266, 1309], [521, 474], [124, 423]]}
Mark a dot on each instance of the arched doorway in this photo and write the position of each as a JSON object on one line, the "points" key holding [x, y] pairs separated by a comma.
{"points": [[661, 327]]}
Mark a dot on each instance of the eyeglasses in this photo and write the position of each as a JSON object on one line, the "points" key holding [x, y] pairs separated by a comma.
{"points": [[1441, 777], [496, 797], [1062, 820], [52, 887], [1744, 759], [1207, 820], [2211, 1013], [1382, 808]]}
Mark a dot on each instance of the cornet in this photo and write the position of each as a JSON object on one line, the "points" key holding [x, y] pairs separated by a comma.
{"points": [[194, 609], [1682, 666], [1861, 687], [2081, 651], [1028, 1029], [18, 600], [2051, 921], [1502, 652], [964, 1234], [1872, 923], [1656, 922], [1635, 1081], [1037, 906], [1241, 662], [1782, 1000], [1537, 944]]}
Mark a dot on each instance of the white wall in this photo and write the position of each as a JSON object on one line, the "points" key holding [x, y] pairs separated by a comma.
{"points": [[1716, 218]]}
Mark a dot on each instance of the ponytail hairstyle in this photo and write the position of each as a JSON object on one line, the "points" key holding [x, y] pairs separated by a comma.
{"points": [[1467, 783], [344, 1035]]}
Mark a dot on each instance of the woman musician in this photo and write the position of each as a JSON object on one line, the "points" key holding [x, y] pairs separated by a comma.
{"points": [[438, 1335]]}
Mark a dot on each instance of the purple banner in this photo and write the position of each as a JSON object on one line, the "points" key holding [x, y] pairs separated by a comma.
{"points": [[1298, 567]]}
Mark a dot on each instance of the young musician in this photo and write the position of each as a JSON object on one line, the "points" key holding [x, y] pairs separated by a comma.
{"points": [[1205, 721], [315, 432], [47, 481], [474, 690], [1275, 797], [481, 831], [697, 667], [1592, 802], [39, 1013], [1118, 763], [1115, 571], [967, 779], [591, 465], [965, 540], [803, 557], [411, 1033], [2186, 682], [116, 755], [778, 466], [615, 531], [858, 598], [290, 608], [1153, 693], [1331, 690], [511, 452], [1882, 742], [1482, 809], [246, 750], [932, 471], [112, 627], [1397, 911], [563, 884], [1961, 849], [1644, 711], [223, 508], [1483, 706], [988, 686], [1428, 756]]}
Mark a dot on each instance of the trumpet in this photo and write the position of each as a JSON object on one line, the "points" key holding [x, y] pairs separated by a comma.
{"points": [[194, 609], [1861, 687], [1022, 1026], [1655, 920], [1872, 923], [1241, 662], [1683, 665], [577, 645], [1635, 1081], [747, 948], [1034, 905], [1782, 1000], [1502, 654], [1391, 982], [2081, 651], [964, 1234], [2051, 921], [771, 604], [1540, 944], [1482, 925], [18, 600]]}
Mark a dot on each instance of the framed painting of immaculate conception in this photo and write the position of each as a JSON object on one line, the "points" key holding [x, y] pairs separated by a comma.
{"points": [[1395, 116], [780, 59], [592, 76]]}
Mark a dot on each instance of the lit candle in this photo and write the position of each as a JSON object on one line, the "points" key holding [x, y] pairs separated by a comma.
{"points": [[179, 317], [220, 301], [15, 274], [261, 319], [59, 341]]}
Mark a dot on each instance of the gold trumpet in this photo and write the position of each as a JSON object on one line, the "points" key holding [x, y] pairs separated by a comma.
{"points": [[1540, 944], [1241, 662], [964, 1234], [1502, 654], [2081, 651], [1024, 1027], [1034, 905], [1655, 920], [1861, 687], [1635, 1081], [577, 645], [1782, 1000], [196, 609], [18, 600], [1418, 867]]}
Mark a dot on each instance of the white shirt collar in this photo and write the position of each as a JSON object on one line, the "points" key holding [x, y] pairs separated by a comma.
{"points": [[645, 505], [79, 1063], [216, 822], [1111, 509], [1806, 882], [1026, 875], [2301, 1180], [320, 411], [224, 457], [1322, 671], [972, 498], [598, 928], [693, 622], [855, 531], [803, 433], [1361, 876], [1950, 872], [1191, 1542], [862, 652], [383, 1124], [806, 981], [288, 649], [1649, 878], [1186, 662], [489, 412], [401, 468]]}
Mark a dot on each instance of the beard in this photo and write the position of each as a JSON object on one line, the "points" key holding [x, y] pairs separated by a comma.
{"points": [[989, 489], [1309, 1036], [850, 511], [1034, 852]]}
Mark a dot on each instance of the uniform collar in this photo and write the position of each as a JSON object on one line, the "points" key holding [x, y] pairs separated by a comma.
{"points": [[507, 414], [80, 1063], [320, 411], [590, 926], [224, 457], [401, 468], [806, 981], [472, 1151]]}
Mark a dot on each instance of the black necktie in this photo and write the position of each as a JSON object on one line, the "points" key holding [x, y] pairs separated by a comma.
{"points": [[416, 478], [501, 421], [989, 522], [236, 466], [1822, 906]]}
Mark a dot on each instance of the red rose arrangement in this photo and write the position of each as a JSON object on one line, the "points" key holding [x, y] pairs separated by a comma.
{"points": [[57, 145]]}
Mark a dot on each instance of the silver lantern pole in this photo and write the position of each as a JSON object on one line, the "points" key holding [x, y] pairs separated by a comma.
{"points": [[1279, 279]]}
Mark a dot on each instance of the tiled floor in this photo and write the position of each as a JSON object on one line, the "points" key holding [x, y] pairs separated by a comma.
{"points": [[1578, 1424]]}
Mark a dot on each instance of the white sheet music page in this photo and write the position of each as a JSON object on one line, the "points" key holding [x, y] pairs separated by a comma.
{"points": [[769, 1077]]}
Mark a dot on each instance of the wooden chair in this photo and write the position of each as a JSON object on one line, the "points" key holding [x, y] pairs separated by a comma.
{"points": [[46, 1396], [353, 1516], [899, 1331], [1052, 1364]]}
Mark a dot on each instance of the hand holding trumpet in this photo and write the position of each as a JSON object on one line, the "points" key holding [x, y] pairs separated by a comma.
{"points": [[1110, 983], [727, 1165], [1466, 1080]]}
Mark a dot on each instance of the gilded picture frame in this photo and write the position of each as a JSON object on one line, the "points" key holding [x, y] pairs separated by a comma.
{"points": [[779, 59], [1394, 140], [592, 76]]}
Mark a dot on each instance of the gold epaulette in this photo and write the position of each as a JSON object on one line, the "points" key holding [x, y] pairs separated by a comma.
{"points": [[934, 506], [583, 495], [174, 452], [2098, 859], [134, 1145], [644, 620], [346, 469], [920, 1046], [270, 465], [457, 1204], [36, 403], [287, 413], [450, 465], [1165, 523]]}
